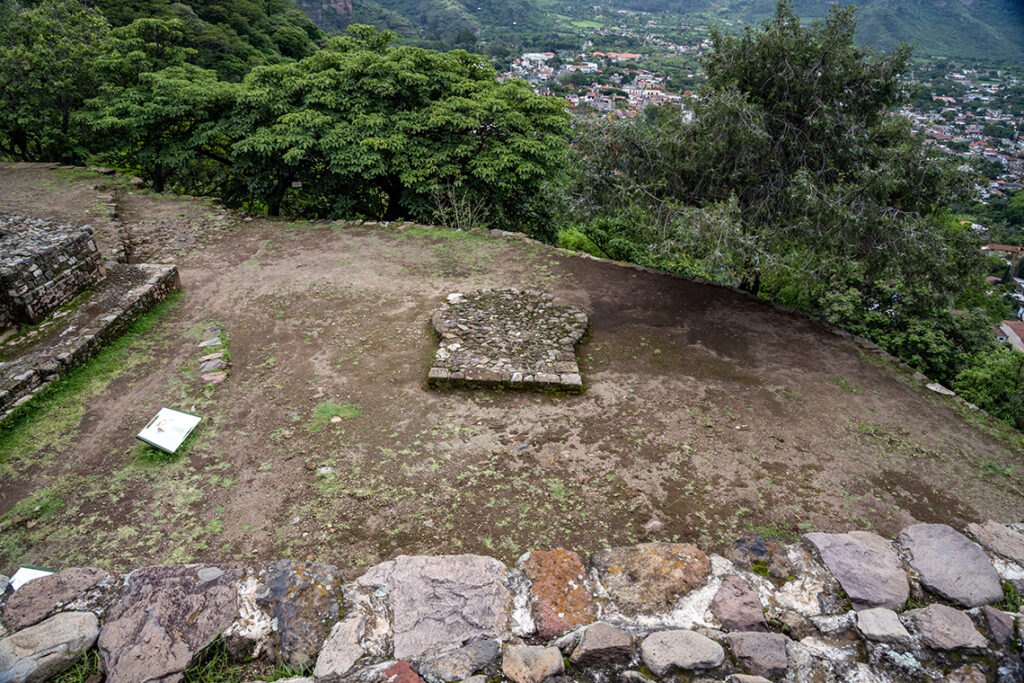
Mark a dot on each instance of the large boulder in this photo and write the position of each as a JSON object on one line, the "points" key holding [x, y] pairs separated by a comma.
{"points": [[37, 598], [441, 601], [951, 565], [559, 599], [649, 577], [304, 600], [866, 566], [166, 615], [39, 652]]}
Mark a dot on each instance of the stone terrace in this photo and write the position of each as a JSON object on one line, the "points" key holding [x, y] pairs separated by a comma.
{"points": [[520, 339], [43, 265], [836, 607]]}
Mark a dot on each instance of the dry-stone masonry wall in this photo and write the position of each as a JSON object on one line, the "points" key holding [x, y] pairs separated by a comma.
{"points": [[43, 265], [835, 607], [507, 337], [26, 375]]}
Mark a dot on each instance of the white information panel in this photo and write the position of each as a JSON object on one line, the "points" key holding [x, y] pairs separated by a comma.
{"points": [[168, 429]]}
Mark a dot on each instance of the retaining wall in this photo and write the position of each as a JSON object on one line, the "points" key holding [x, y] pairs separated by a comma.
{"points": [[931, 605], [43, 265]]}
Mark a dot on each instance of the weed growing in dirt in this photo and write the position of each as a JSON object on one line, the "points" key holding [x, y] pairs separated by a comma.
{"points": [[83, 670], [846, 385], [325, 411]]}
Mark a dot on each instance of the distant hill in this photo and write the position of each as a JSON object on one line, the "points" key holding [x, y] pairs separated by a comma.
{"points": [[965, 29]]}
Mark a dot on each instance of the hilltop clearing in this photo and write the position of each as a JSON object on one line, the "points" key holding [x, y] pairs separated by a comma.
{"points": [[704, 409]]}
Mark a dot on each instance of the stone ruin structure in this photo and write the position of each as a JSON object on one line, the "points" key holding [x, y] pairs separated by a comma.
{"points": [[507, 337], [43, 265], [835, 607]]}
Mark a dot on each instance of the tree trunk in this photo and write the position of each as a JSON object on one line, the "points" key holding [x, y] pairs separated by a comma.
{"points": [[276, 196], [393, 188], [159, 178]]}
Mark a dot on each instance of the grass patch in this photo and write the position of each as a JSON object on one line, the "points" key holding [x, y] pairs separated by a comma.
{"points": [[326, 410], [46, 423], [846, 385], [82, 670]]}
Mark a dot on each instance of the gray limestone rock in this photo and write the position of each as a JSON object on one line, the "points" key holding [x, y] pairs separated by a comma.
{"points": [[945, 628], [747, 678], [455, 665], [1000, 624], [601, 644], [866, 566], [951, 565], [666, 650], [762, 654], [444, 600], [212, 365], [341, 650], [37, 598], [303, 598], [39, 652], [882, 625], [166, 615], [737, 606], [1000, 539], [531, 663]]}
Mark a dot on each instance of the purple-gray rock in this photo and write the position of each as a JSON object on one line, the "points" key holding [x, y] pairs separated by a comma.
{"points": [[166, 615], [341, 650], [882, 625], [762, 654], [945, 628], [531, 663], [601, 644], [36, 599], [458, 664], [951, 565], [664, 651], [866, 566], [39, 652], [737, 606], [1000, 624], [212, 365], [1000, 539], [303, 598], [444, 600]]}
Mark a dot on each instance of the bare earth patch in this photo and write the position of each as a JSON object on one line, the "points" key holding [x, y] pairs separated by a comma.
{"points": [[706, 410]]}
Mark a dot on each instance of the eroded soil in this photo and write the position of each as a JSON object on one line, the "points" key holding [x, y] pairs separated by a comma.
{"points": [[711, 412]]}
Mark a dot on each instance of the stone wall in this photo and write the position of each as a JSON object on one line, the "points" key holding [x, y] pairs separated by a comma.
{"points": [[19, 384], [929, 605], [43, 265]]}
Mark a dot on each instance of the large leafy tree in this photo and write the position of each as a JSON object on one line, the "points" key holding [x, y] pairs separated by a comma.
{"points": [[156, 114], [48, 67], [367, 128], [824, 198]]}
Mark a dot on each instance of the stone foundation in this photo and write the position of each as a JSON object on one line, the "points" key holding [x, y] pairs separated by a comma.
{"points": [[26, 375], [43, 265], [834, 607], [507, 337]]}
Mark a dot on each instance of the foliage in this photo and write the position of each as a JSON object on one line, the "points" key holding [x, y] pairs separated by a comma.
{"points": [[47, 70], [792, 178], [364, 128], [995, 381]]}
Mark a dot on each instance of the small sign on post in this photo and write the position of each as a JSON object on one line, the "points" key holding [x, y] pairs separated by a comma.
{"points": [[169, 429]]}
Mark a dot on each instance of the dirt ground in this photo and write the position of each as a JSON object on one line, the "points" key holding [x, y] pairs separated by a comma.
{"points": [[708, 411]]}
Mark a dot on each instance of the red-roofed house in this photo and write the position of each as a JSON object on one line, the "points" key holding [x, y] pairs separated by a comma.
{"points": [[1014, 330]]}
